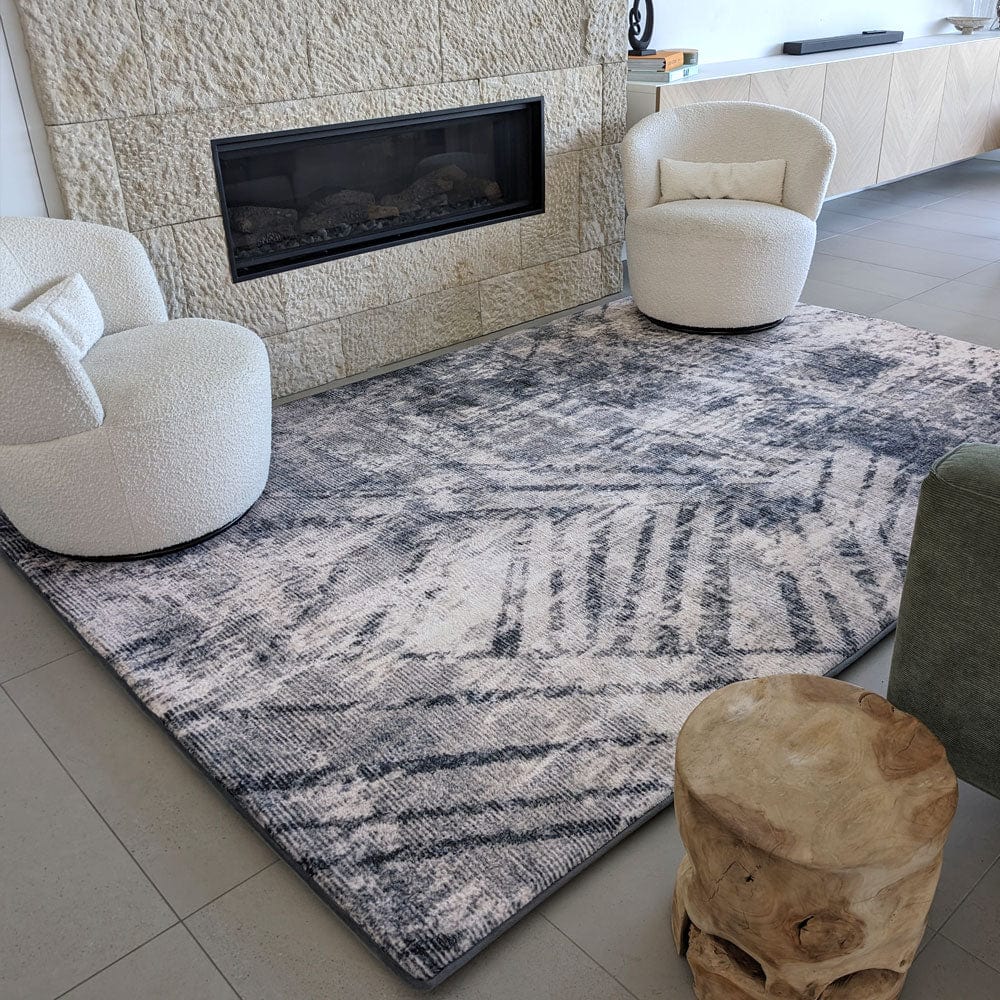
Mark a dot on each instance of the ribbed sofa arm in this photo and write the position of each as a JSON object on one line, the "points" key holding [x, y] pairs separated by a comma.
{"points": [[946, 663]]}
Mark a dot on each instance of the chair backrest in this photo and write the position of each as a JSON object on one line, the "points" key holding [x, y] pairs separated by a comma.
{"points": [[731, 132], [37, 252]]}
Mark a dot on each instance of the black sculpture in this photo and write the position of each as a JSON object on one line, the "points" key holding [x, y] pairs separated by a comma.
{"points": [[638, 42]]}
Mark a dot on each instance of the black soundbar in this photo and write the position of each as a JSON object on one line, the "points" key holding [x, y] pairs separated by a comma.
{"points": [[809, 45]]}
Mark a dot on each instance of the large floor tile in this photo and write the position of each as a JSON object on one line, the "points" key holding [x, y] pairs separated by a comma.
{"points": [[968, 204], [871, 671], [942, 971], [961, 326], [953, 222], [875, 204], [975, 925], [32, 633], [170, 967], [973, 847], [188, 839], [831, 296], [618, 911], [857, 246], [907, 234], [274, 939], [832, 221], [988, 276], [870, 277], [963, 296], [72, 900]]}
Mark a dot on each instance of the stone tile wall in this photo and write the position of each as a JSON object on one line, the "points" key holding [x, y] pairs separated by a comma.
{"points": [[132, 91]]}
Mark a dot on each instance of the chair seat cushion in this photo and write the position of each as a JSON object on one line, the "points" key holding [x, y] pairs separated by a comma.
{"points": [[727, 219]]}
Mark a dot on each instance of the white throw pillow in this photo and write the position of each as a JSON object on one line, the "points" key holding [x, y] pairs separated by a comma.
{"points": [[68, 311], [763, 180]]}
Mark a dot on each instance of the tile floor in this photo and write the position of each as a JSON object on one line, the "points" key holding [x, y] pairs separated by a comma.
{"points": [[125, 876]]}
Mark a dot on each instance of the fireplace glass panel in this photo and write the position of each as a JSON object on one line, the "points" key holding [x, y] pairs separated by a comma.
{"points": [[295, 198]]}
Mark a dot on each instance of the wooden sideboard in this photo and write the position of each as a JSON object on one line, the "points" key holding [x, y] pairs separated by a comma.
{"points": [[894, 110]]}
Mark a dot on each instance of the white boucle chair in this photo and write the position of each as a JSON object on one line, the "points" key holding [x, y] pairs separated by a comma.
{"points": [[720, 264], [158, 436]]}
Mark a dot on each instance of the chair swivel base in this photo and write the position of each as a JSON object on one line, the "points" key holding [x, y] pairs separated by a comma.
{"points": [[680, 328]]}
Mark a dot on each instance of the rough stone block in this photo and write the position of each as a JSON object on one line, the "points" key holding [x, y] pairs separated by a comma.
{"points": [[165, 164], [605, 30], [303, 359], [406, 329], [209, 290], [602, 197], [557, 232], [87, 59], [611, 282], [539, 291], [517, 36], [225, 53], [336, 288], [432, 97], [373, 44], [161, 245], [573, 103], [448, 261], [84, 162], [615, 102]]}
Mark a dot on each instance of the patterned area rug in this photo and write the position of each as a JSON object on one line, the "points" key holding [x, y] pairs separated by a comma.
{"points": [[443, 662]]}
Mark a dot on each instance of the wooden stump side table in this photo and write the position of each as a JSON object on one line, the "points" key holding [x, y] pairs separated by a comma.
{"points": [[814, 815]]}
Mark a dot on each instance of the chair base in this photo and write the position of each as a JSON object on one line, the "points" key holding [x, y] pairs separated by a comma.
{"points": [[680, 328], [153, 554]]}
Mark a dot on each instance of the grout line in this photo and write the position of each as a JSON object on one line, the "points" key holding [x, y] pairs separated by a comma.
{"points": [[111, 830], [226, 892], [580, 948], [48, 663], [121, 958], [975, 958]]}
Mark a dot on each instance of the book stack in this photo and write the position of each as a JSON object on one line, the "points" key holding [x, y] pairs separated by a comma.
{"points": [[663, 66]]}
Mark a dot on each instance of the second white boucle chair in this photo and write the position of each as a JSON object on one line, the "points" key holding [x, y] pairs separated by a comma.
{"points": [[721, 264], [135, 434]]}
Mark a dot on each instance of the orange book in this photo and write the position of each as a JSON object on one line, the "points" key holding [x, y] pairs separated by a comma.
{"points": [[669, 59]]}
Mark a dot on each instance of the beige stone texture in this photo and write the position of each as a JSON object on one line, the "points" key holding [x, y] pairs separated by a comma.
{"points": [[573, 103], [303, 359], [165, 164], [557, 232], [515, 36], [615, 102], [611, 282], [225, 53], [85, 164], [539, 291], [602, 197], [432, 97], [605, 30], [161, 246], [335, 288], [406, 329], [209, 289], [87, 59], [454, 259], [372, 44]]}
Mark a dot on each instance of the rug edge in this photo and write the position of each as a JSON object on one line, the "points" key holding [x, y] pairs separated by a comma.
{"points": [[374, 948]]}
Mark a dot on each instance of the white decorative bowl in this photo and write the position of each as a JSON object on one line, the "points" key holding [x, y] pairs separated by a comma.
{"points": [[967, 25]]}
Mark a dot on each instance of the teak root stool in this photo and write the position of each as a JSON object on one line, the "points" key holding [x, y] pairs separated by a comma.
{"points": [[814, 815]]}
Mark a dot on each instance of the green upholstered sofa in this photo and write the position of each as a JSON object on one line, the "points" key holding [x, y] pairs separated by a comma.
{"points": [[946, 663]]}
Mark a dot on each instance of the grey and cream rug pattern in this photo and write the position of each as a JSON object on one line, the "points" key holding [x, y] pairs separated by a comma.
{"points": [[443, 661]]}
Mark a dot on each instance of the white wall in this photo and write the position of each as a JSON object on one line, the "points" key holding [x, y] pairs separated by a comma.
{"points": [[27, 182], [743, 29]]}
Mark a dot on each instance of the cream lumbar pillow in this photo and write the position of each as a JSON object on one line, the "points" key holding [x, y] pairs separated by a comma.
{"points": [[763, 180], [68, 312]]}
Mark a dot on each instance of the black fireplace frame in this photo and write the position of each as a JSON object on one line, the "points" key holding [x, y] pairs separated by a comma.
{"points": [[320, 252]]}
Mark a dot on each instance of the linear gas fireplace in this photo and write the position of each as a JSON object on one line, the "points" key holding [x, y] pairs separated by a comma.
{"points": [[299, 197]]}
